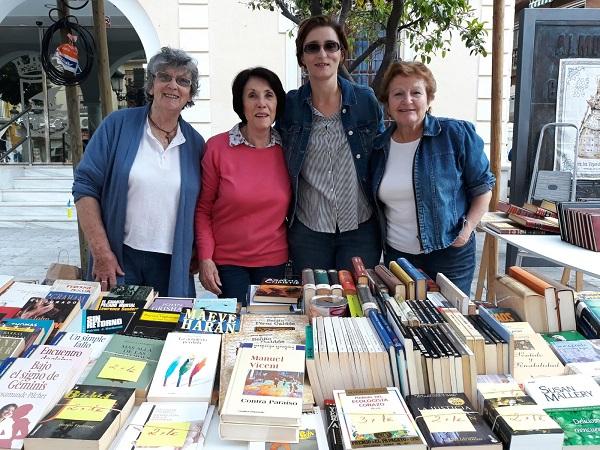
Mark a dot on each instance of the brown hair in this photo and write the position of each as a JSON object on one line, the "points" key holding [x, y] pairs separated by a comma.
{"points": [[307, 25], [407, 69]]}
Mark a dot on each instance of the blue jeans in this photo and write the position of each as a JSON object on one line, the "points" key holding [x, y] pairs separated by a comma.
{"points": [[457, 263], [317, 250], [236, 279], [147, 269]]}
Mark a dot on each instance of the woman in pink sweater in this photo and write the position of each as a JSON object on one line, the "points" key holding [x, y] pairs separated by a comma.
{"points": [[241, 212]]}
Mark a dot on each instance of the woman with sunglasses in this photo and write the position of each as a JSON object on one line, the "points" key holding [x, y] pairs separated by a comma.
{"points": [[137, 184], [327, 131]]}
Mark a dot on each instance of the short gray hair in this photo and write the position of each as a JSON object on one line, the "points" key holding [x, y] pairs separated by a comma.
{"points": [[171, 58]]}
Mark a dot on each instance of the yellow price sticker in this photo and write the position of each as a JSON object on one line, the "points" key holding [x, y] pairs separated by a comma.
{"points": [[447, 420], [86, 409], [122, 369], [156, 316], [163, 434]]}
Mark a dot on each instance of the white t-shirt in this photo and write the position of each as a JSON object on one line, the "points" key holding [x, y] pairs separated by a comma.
{"points": [[153, 194], [397, 194]]}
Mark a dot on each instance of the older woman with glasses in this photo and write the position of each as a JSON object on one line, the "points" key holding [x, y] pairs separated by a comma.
{"points": [[327, 132], [136, 187]]}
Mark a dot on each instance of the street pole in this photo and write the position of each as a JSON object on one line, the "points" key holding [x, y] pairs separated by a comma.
{"points": [[75, 139], [45, 94], [496, 135], [102, 57]]}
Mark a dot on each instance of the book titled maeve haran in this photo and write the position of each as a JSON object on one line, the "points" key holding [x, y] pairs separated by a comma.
{"points": [[266, 385]]}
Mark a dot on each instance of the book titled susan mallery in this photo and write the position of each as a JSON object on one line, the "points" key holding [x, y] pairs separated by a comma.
{"points": [[266, 385]]}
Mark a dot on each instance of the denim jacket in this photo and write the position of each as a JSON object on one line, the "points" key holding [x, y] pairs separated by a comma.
{"points": [[449, 170], [362, 118]]}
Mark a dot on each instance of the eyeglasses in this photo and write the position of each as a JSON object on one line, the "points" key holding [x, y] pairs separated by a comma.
{"points": [[165, 77], [315, 47]]}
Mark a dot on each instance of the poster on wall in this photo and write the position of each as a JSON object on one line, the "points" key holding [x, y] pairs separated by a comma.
{"points": [[578, 102]]}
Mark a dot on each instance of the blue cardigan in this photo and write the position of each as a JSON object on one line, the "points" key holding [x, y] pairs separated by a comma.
{"points": [[103, 174]]}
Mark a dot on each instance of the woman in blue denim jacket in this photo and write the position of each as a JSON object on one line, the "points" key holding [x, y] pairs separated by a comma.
{"points": [[328, 130], [431, 179]]}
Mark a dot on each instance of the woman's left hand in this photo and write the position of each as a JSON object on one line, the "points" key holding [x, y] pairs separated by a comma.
{"points": [[463, 236]]}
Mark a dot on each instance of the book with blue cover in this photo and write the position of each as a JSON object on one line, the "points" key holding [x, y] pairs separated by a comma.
{"points": [[419, 279], [579, 351], [45, 324]]}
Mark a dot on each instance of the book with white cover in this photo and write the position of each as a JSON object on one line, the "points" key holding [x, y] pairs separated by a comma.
{"points": [[312, 435], [376, 418], [96, 343], [185, 426], [80, 357], [186, 368], [586, 368], [29, 388], [19, 293], [266, 385], [567, 391]]}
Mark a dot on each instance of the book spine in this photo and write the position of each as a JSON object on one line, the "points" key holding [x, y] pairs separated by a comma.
{"points": [[360, 272], [347, 282], [497, 423], [334, 434], [366, 299], [410, 269], [334, 281], [322, 282]]}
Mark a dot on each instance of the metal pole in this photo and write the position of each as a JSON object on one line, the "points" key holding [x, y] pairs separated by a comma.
{"points": [[102, 50], [45, 92]]}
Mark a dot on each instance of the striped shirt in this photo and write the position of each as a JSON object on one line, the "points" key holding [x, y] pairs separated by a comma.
{"points": [[330, 198]]}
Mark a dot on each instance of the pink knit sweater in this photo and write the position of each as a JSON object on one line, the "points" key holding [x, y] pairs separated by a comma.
{"points": [[240, 215]]}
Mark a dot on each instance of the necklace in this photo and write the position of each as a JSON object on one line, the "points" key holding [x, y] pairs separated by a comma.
{"points": [[169, 135]]}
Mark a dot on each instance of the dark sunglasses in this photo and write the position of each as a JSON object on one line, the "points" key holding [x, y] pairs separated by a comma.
{"points": [[165, 77], [315, 47]]}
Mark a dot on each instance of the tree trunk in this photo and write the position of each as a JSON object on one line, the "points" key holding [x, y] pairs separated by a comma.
{"points": [[391, 31], [316, 8]]}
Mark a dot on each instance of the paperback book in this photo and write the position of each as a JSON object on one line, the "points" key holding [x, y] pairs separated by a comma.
{"points": [[104, 321], [275, 290], [204, 321], [186, 368], [152, 324]]}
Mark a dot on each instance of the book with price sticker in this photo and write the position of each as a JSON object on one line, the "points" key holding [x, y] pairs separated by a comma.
{"points": [[377, 419], [152, 324], [449, 421], [87, 417], [186, 368], [127, 361], [265, 394], [167, 426]]}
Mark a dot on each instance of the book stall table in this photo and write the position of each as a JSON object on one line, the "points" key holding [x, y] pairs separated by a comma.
{"points": [[549, 247]]}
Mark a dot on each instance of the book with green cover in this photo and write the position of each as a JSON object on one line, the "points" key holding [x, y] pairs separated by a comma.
{"points": [[560, 336], [127, 361]]}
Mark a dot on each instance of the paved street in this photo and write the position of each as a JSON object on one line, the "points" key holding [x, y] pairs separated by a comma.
{"points": [[27, 252]]}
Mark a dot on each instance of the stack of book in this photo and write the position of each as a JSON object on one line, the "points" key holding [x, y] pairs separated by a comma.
{"points": [[529, 219], [275, 296], [580, 224], [264, 398]]}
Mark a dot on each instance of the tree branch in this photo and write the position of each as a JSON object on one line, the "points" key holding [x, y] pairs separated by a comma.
{"points": [[409, 24], [285, 12], [316, 8], [364, 55], [346, 6], [390, 42]]}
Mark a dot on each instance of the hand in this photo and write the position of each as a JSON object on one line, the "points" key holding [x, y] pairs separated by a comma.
{"points": [[463, 237], [209, 276], [106, 270]]}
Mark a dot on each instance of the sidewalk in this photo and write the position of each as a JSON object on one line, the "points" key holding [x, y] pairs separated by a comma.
{"points": [[27, 252]]}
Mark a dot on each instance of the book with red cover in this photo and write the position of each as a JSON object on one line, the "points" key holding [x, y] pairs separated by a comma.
{"points": [[360, 272], [347, 282], [539, 224], [6, 312], [514, 209], [539, 211]]}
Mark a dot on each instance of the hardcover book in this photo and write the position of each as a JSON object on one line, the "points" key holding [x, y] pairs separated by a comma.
{"points": [[186, 368], [266, 385], [127, 361], [168, 426], [152, 324], [376, 418], [273, 290], [104, 322], [87, 417], [29, 388], [449, 421]]}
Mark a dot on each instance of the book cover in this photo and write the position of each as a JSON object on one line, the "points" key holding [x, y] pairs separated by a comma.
{"points": [[579, 351], [419, 279], [11, 347], [84, 415], [104, 322], [152, 324], [61, 312], [120, 304], [168, 426], [204, 321], [127, 361], [186, 368], [537, 223], [46, 325], [87, 292], [274, 290], [29, 388], [19, 293], [561, 336], [131, 292], [312, 435], [505, 228], [227, 305], [79, 357], [376, 417], [284, 322], [449, 420], [504, 314], [31, 334], [96, 343], [266, 385], [232, 342], [171, 304], [6, 312]]}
